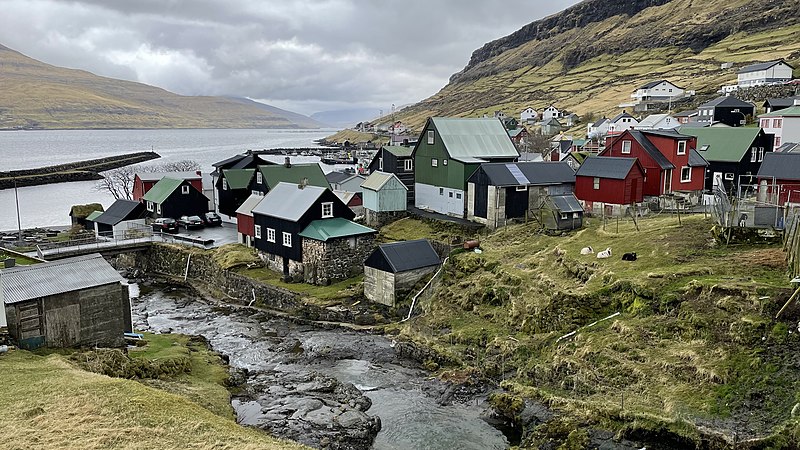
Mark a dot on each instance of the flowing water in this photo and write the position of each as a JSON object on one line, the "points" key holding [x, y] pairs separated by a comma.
{"points": [[402, 394]]}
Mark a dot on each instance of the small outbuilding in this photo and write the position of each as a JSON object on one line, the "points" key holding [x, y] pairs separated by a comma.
{"points": [[74, 302], [244, 220], [385, 198], [606, 185], [123, 219], [393, 269]]}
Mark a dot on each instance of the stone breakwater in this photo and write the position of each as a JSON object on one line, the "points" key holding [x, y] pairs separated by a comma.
{"points": [[76, 171]]}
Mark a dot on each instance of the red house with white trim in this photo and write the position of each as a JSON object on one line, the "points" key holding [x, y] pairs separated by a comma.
{"points": [[143, 181], [671, 163], [779, 178], [609, 182], [244, 220]]}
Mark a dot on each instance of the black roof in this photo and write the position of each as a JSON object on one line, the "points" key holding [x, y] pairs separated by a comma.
{"points": [[780, 102], [621, 115], [403, 256], [337, 176], [673, 134], [224, 163], [566, 203], [599, 121], [533, 172], [781, 166], [565, 145], [686, 113], [729, 101], [696, 159], [762, 66], [606, 167], [122, 210], [651, 150]]}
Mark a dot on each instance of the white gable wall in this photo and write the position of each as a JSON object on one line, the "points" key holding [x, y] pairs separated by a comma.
{"points": [[776, 73]]}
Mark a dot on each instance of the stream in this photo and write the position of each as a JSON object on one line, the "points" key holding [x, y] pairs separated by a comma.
{"points": [[324, 388]]}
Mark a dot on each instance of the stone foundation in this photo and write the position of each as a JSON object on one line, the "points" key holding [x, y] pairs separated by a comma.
{"points": [[377, 219], [337, 259]]}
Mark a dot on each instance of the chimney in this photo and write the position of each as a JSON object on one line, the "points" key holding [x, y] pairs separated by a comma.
{"points": [[303, 183], [287, 162], [198, 173]]}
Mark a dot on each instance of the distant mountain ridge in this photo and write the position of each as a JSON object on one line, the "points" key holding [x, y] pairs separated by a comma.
{"points": [[37, 95]]}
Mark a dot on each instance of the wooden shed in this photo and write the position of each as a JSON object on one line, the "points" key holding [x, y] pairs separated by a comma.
{"points": [[395, 268], [74, 302], [384, 192]]}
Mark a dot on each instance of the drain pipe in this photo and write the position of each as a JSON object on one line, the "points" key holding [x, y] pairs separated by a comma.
{"points": [[186, 272], [414, 301]]}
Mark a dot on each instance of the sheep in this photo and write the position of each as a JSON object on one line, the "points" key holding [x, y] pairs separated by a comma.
{"points": [[629, 256], [604, 254], [587, 250]]}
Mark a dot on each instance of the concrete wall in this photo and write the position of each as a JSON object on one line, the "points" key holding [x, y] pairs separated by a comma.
{"points": [[379, 286], [446, 201], [335, 260]]}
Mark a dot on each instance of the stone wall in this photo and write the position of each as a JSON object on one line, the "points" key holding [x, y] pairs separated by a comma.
{"points": [[336, 259], [377, 219]]}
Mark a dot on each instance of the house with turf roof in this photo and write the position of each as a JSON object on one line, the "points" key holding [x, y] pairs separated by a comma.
{"points": [[734, 155], [233, 188], [575, 159], [448, 152], [173, 198], [267, 177], [306, 233]]}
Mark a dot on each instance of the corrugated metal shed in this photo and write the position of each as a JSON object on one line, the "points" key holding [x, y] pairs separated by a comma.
{"points": [[404, 256], [122, 210], [23, 283], [378, 179], [536, 173], [781, 166], [337, 227], [287, 201], [566, 203], [247, 207], [468, 140], [606, 167]]}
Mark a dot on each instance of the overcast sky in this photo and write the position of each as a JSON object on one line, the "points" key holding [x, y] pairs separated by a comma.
{"points": [[302, 55]]}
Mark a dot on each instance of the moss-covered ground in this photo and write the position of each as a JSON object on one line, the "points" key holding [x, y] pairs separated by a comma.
{"points": [[695, 344]]}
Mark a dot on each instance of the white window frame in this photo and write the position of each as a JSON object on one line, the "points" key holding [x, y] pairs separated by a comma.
{"points": [[729, 176], [158, 208], [753, 154], [434, 162], [760, 154], [287, 239], [626, 147], [681, 147], [257, 231], [564, 216], [150, 206], [596, 183], [521, 188], [271, 235], [444, 162], [688, 170], [259, 178], [431, 137], [185, 189], [224, 184], [408, 165], [441, 191], [327, 210]]}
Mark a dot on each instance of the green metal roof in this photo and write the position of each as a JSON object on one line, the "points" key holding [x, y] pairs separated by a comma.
{"points": [[94, 215], [377, 179], [324, 229], [793, 111], [724, 144], [468, 140], [238, 178], [294, 174], [399, 150], [161, 190]]}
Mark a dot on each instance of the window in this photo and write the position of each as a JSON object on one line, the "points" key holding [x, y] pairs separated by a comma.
{"points": [[150, 206], [287, 239], [257, 231], [158, 208], [434, 162], [458, 195], [327, 210], [760, 154], [184, 189], [441, 191], [597, 182], [777, 141], [686, 174], [450, 194], [224, 184], [408, 165], [564, 216], [522, 188], [705, 148], [729, 176], [681, 147], [777, 123], [259, 178], [576, 215], [626, 147], [430, 137], [271, 235], [753, 154], [380, 163], [764, 123], [444, 162]]}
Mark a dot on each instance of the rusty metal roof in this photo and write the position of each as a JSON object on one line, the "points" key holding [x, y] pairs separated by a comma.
{"points": [[22, 283]]}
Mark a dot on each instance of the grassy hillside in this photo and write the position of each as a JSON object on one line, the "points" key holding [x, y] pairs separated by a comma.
{"points": [[696, 344], [48, 403], [39, 95], [595, 67]]}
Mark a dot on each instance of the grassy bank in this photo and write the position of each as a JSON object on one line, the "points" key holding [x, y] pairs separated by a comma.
{"points": [[695, 344], [49, 403]]}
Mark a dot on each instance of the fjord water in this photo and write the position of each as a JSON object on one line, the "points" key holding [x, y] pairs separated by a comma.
{"points": [[48, 205]]}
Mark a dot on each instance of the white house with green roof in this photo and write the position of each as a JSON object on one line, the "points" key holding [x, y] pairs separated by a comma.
{"points": [[448, 152], [784, 124]]}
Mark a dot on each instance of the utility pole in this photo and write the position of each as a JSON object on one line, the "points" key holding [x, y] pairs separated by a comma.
{"points": [[19, 220]]}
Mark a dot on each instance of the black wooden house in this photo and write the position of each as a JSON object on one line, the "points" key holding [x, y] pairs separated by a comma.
{"points": [[233, 188], [174, 198], [398, 160]]}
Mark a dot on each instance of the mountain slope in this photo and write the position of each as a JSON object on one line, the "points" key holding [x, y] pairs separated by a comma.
{"points": [[590, 57], [298, 119], [39, 95]]}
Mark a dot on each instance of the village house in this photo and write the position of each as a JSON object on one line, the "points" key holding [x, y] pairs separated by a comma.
{"points": [[623, 121], [734, 155], [779, 178], [657, 122], [397, 128], [267, 177], [560, 147], [245, 230], [173, 198], [528, 116], [79, 214], [772, 72], [233, 188], [608, 185], [598, 128], [344, 181], [399, 161], [123, 219], [448, 152], [353, 200], [777, 104], [551, 112], [670, 161], [385, 198], [683, 117], [575, 159], [144, 181], [551, 126], [393, 269], [246, 160], [74, 302], [658, 91], [726, 109], [499, 193], [305, 232], [405, 140], [784, 124], [518, 136]]}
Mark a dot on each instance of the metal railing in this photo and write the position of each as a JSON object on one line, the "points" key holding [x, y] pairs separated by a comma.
{"points": [[108, 240]]}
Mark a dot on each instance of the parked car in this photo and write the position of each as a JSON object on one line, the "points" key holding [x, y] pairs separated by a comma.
{"points": [[165, 225], [189, 222], [212, 219]]}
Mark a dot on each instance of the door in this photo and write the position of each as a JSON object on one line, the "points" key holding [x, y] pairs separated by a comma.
{"points": [[667, 181], [481, 200]]}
